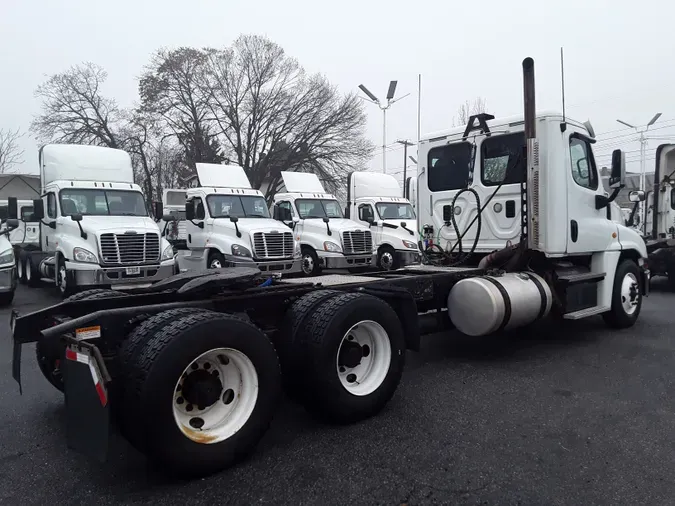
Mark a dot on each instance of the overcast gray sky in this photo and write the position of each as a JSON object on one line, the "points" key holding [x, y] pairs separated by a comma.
{"points": [[617, 55]]}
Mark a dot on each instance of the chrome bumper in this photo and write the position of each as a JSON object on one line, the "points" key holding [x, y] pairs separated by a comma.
{"points": [[8, 279], [94, 275], [286, 266], [340, 261]]}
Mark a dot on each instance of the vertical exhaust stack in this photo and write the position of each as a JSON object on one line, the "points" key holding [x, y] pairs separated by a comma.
{"points": [[528, 89], [529, 188]]}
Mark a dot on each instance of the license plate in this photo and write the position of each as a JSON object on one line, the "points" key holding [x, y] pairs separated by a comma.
{"points": [[133, 270]]}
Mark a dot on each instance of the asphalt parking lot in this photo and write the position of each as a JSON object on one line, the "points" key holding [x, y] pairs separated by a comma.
{"points": [[555, 414]]}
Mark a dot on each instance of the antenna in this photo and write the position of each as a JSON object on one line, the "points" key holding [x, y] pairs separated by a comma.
{"points": [[563, 125]]}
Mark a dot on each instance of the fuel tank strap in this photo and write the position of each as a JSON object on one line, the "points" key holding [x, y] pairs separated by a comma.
{"points": [[507, 302], [542, 294]]}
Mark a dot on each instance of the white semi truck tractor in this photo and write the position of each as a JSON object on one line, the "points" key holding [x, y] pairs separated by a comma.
{"points": [[95, 229], [328, 240], [228, 225], [374, 200]]}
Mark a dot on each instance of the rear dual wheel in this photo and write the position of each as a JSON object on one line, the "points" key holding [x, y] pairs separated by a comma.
{"points": [[346, 356], [200, 392]]}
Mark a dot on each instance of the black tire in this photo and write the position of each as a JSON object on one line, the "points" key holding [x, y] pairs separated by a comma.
{"points": [[215, 258], [20, 266], [617, 317], [62, 281], [322, 334], [292, 362], [50, 352], [671, 277], [33, 276], [386, 258], [310, 262], [157, 366], [6, 298]]}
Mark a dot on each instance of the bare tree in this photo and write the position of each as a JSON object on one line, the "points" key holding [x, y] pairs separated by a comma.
{"points": [[467, 109], [272, 116], [74, 110], [169, 90], [10, 152]]}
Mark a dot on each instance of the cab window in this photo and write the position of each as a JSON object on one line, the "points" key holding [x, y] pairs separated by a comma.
{"points": [[450, 166], [583, 164], [502, 160], [51, 205], [365, 212]]}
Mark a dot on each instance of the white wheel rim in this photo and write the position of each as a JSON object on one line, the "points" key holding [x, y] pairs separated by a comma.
{"points": [[372, 368], [215, 264], [19, 269], [235, 401], [28, 273], [307, 264], [630, 293]]}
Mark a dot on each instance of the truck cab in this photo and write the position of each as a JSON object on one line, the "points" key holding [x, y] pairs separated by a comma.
{"points": [[498, 187], [327, 239], [27, 233], [659, 227], [228, 225], [374, 200], [174, 230], [7, 257], [95, 229]]}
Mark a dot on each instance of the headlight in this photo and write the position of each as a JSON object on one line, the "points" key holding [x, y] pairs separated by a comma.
{"points": [[331, 246], [167, 254], [410, 244], [240, 251], [7, 257], [84, 256]]}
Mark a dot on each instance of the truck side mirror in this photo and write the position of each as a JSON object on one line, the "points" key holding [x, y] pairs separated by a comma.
{"points": [[617, 177], [12, 223], [76, 217], [157, 209], [168, 217], [38, 209], [282, 213], [189, 211], [12, 208], [636, 196]]}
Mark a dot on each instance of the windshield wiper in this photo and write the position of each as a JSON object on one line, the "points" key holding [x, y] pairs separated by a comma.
{"points": [[256, 216]]}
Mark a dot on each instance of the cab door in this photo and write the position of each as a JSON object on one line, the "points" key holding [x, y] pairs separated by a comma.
{"points": [[48, 227], [197, 227], [589, 229]]}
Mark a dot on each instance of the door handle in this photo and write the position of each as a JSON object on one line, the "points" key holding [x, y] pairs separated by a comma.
{"points": [[574, 230]]}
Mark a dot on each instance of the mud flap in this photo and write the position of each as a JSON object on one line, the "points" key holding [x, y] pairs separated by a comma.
{"points": [[87, 402]]}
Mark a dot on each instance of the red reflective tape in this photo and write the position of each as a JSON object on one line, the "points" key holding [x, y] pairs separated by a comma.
{"points": [[71, 355], [101, 394]]}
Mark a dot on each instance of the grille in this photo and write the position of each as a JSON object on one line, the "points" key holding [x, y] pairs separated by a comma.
{"points": [[357, 242], [273, 244], [129, 248]]}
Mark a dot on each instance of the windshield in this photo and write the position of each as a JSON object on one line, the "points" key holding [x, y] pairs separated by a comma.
{"points": [[102, 202], [318, 208], [395, 211], [241, 206]]}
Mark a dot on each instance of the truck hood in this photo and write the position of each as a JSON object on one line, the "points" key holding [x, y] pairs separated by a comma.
{"points": [[336, 224], [97, 225], [251, 225]]}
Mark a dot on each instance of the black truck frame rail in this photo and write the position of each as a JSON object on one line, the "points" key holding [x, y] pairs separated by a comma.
{"points": [[236, 290]]}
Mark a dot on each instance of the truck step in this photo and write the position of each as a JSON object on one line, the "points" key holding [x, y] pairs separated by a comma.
{"points": [[584, 277], [583, 313]]}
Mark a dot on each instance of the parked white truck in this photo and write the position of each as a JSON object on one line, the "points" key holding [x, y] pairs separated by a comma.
{"points": [[8, 223], [95, 229], [27, 231], [228, 225], [374, 200], [173, 206], [659, 227], [328, 240]]}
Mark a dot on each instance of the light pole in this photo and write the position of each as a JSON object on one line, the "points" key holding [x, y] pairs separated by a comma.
{"points": [[643, 155], [390, 101]]}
